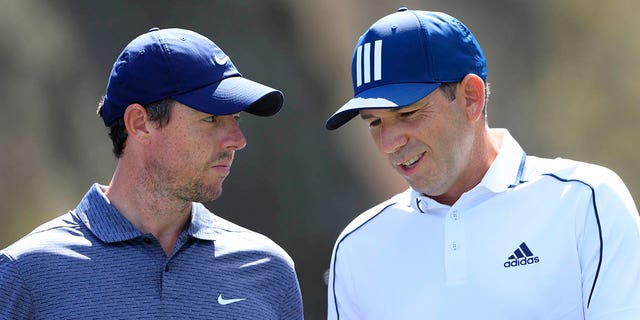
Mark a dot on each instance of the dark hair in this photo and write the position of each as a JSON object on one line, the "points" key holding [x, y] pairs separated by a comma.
{"points": [[449, 90], [159, 112]]}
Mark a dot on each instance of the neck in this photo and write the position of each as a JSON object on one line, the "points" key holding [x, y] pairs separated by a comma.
{"points": [[485, 151], [149, 210]]}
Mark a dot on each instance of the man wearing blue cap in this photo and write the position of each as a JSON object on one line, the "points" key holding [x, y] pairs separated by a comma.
{"points": [[484, 231], [144, 247]]}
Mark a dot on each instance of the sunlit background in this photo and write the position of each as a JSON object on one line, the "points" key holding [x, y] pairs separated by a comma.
{"points": [[564, 77]]}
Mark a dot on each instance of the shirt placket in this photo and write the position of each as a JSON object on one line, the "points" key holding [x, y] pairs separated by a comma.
{"points": [[455, 248]]}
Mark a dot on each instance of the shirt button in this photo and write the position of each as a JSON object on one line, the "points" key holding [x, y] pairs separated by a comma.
{"points": [[455, 216], [454, 246], [147, 240], [166, 268]]}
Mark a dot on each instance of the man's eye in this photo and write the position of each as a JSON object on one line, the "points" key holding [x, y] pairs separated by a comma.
{"points": [[407, 114], [374, 123], [210, 119]]}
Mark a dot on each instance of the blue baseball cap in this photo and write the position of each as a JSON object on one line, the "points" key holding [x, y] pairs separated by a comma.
{"points": [[406, 55], [187, 67]]}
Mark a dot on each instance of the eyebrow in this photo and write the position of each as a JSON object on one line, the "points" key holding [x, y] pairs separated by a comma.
{"points": [[366, 116]]}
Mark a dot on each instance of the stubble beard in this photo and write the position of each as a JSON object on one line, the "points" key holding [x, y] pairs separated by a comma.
{"points": [[166, 183], [198, 192]]}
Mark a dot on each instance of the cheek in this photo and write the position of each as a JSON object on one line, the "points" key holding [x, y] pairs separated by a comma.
{"points": [[176, 149], [375, 136], [457, 149]]}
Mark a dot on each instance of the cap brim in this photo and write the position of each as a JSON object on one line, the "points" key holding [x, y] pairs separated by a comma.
{"points": [[232, 95], [390, 96]]}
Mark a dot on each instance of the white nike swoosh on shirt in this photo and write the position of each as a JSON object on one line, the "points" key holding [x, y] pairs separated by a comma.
{"points": [[221, 60], [224, 301]]}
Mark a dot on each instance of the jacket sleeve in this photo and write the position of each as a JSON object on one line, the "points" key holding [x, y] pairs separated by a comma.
{"points": [[15, 297], [609, 249]]}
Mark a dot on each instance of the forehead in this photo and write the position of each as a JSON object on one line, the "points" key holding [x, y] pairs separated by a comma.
{"points": [[185, 109], [188, 111], [425, 101]]}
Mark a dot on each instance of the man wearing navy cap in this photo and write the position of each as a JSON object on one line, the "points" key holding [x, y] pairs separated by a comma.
{"points": [[484, 231], [144, 247]]}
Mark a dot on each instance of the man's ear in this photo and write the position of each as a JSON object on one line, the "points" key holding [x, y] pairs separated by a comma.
{"points": [[472, 88], [136, 121]]}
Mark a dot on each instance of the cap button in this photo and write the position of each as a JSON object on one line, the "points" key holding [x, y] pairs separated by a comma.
{"points": [[402, 9], [154, 29]]}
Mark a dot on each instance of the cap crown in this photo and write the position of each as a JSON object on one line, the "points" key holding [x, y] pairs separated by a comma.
{"points": [[161, 64], [415, 47]]}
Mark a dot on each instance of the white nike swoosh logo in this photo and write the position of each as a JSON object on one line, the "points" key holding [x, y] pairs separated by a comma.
{"points": [[221, 60], [225, 302]]}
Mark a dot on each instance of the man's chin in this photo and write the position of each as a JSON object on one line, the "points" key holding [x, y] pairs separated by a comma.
{"points": [[203, 194], [211, 196]]}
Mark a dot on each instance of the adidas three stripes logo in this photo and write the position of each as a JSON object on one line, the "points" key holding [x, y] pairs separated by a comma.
{"points": [[521, 256], [521, 252], [365, 70]]}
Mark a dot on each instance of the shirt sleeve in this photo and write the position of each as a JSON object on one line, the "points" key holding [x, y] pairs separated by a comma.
{"points": [[341, 305], [293, 298], [609, 249], [15, 298]]}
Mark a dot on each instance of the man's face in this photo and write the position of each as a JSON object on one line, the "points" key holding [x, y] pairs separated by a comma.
{"points": [[191, 156], [428, 143]]}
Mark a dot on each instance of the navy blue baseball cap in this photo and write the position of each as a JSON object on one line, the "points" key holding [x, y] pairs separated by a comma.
{"points": [[406, 55], [187, 67]]}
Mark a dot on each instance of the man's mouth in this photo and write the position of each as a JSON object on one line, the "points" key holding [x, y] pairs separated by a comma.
{"points": [[410, 162]]}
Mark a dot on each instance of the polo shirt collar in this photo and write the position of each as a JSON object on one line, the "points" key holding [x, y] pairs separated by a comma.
{"points": [[508, 167], [105, 221], [202, 222], [505, 171]]}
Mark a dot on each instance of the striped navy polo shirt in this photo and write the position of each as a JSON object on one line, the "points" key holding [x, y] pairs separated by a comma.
{"points": [[92, 263]]}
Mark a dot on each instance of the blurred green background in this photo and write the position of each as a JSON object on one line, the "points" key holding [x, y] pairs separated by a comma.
{"points": [[563, 73]]}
